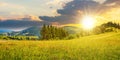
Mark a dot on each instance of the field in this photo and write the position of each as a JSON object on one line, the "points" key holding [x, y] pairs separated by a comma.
{"points": [[96, 47]]}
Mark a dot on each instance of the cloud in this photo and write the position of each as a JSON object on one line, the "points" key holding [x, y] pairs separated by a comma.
{"points": [[30, 17], [113, 11], [73, 11], [57, 2], [20, 24], [21, 17], [112, 2], [100, 1]]}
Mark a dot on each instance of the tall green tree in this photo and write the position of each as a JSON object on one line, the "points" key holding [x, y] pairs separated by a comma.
{"points": [[52, 32]]}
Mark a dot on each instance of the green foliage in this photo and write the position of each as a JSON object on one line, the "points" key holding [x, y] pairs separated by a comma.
{"points": [[51, 32], [72, 36], [106, 27]]}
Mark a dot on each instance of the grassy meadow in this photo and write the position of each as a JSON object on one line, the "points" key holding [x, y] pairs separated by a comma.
{"points": [[95, 47]]}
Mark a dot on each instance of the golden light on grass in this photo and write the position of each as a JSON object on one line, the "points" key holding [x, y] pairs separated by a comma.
{"points": [[88, 22]]}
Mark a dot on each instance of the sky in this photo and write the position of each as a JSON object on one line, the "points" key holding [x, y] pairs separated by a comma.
{"points": [[21, 14], [10, 8]]}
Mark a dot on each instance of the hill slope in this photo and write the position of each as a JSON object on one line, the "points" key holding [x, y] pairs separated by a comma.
{"points": [[96, 47], [32, 31]]}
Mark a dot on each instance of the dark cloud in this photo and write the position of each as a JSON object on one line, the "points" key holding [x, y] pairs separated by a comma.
{"points": [[112, 1], [72, 9], [76, 8], [82, 5], [61, 19], [19, 24]]}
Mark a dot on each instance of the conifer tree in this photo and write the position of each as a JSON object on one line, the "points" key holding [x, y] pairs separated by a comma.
{"points": [[52, 32], [43, 32]]}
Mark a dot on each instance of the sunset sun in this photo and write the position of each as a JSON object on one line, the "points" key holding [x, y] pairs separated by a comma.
{"points": [[88, 22]]}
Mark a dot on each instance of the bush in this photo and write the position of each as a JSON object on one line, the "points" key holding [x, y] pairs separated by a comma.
{"points": [[72, 36]]}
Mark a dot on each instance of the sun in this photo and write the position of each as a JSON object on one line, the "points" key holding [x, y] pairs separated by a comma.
{"points": [[88, 22]]}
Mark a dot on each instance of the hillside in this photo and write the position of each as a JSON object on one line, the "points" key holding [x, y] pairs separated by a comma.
{"points": [[32, 31], [96, 47]]}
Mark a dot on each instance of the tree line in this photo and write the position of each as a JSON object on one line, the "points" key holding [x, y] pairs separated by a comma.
{"points": [[19, 37], [106, 27]]}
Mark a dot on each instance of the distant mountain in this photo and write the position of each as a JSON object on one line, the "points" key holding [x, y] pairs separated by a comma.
{"points": [[35, 31], [32, 31], [4, 31]]}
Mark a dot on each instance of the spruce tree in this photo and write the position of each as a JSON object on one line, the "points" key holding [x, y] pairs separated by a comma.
{"points": [[52, 32], [43, 32]]}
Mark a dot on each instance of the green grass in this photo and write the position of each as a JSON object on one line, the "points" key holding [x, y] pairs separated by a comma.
{"points": [[96, 47]]}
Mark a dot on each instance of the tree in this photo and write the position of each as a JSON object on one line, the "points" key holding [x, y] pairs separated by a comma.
{"points": [[43, 32]]}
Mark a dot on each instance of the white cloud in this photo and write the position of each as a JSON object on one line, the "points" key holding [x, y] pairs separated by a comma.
{"points": [[100, 1]]}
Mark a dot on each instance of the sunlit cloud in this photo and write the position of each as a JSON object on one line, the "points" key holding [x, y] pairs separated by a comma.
{"points": [[32, 17], [21, 17]]}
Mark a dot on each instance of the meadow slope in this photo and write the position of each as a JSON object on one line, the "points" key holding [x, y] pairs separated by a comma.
{"points": [[96, 47]]}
